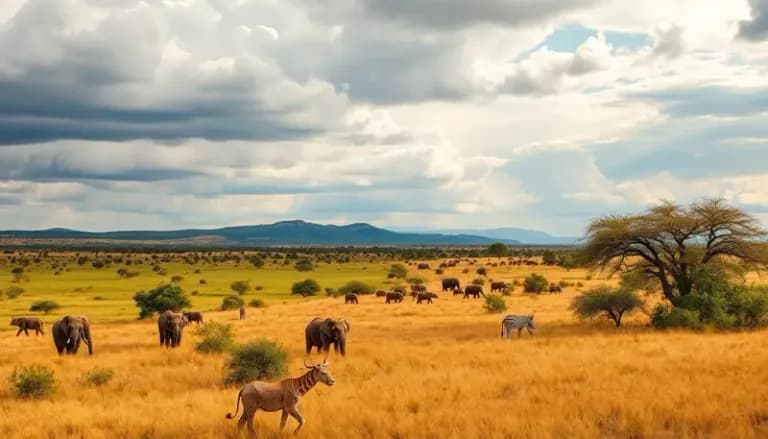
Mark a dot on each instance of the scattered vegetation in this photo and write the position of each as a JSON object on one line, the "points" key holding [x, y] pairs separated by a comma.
{"points": [[160, 299], [44, 306], [258, 360], [214, 337], [357, 287], [99, 376], [605, 301], [240, 287], [231, 302], [304, 264], [257, 303], [34, 381], [495, 304], [535, 283], [306, 287]]}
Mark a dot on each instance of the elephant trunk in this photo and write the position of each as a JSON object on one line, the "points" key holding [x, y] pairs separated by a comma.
{"points": [[342, 343], [86, 335]]}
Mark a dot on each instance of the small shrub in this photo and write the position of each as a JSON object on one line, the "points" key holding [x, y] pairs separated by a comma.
{"points": [[44, 306], [240, 286], [465, 271], [397, 271], [162, 272], [563, 284], [32, 381], [214, 338], [14, 292], [417, 280], [257, 360], [535, 283], [439, 271], [478, 281], [516, 283], [98, 298], [357, 287], [665, 317], [160, 299], [495, 304], [99, 376], [506, 292], [176, 279], [231, 302], [331, 292], [306, 287], [258, 288], [303, 265], [98, 263], [482, 271], [257, 303]]}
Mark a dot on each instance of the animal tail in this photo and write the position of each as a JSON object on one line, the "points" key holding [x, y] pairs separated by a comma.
{"points": [[502, 329], [237, 407]]}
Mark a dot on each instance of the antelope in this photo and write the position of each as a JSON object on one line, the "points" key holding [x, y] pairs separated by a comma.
{"points": [[284, 396]]}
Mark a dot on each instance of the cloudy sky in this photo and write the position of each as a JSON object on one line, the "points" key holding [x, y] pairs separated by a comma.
{"points": [[404, 113]]}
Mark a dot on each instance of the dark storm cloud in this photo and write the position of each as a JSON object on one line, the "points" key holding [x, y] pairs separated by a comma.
{"points": [[456, 14], [756, 29]]}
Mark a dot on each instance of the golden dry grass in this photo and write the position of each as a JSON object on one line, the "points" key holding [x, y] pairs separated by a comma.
{"points": [[413, 371]]}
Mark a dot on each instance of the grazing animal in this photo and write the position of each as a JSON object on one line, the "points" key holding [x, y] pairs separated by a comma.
{"points": [[69, 331], [498, 286], [423, 266], [482, 271], [193, 316], [394, 296], [473, 290], [170, 325], [416, 288], [242, 312], [27, 323], [322, 333], [458, 291], [425, 297], [517, 322], [555, 288], [284, 396], [350, 298], [451, 283], [381, 293]]}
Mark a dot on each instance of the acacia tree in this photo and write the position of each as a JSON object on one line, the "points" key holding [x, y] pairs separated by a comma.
{"points": [[668, 243], [606, 302]]}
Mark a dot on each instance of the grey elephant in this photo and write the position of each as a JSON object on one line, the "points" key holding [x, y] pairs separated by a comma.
{"points": [[69, 331], [27, 323], [321, 333], [170, 326], [193, 316]]}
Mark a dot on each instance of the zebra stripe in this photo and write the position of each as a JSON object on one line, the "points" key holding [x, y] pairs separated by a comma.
{"points": [[517, 322]]}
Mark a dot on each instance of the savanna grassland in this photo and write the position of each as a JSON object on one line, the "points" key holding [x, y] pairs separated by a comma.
{"points": [[412, 371]]}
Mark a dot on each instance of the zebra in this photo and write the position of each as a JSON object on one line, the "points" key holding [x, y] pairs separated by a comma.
{"points": [[519, 322], [285, 396]]}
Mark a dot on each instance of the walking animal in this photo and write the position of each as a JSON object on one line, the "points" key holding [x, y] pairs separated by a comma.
{"points": [[69, 331], [193, 316], [285, 396], [555, 288], [417, 288], [323, 333], [350, 298], [381, 293], [511, 322], [170, 325], [498, 286], [458, 292], [27, 323], [394, 297], [473, 290], [425, 297], [451, 283], [242, 312]]}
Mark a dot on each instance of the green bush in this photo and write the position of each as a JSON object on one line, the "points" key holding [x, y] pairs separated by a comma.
{"points": [[13, 292], [99, 376], [240, 286], [331, 292], [214, 338], [417, 280], [749, 307], [304, 265], [257, 360], [357, 287], [535, 283], [160, 299], [257, 303], [397, 271], [176, 279], [495, 304], [666, 317], [231, 302], [479, 281], [45, 306], [506, 291], [32, 381], [306, 287]]}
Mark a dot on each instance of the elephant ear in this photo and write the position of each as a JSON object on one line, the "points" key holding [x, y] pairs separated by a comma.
{"points": [[344, 323], [65, 320]]}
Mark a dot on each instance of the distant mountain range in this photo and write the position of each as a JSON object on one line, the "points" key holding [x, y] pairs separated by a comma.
{"points": [[281, 233], [523, 236]]}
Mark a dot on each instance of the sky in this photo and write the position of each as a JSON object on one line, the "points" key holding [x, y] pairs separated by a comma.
{"points": [[439, 114]]}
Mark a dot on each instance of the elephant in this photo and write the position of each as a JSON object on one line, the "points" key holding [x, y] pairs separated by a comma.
{"points": [[27, 323], [321, 333], [498, 286], [242, 312], [69, 331], [555, 288], [458, 292], [451, 283], [473, 290], [193, 316], [170, 326], [425, 297], [396, 297], [422, 266], [350, 298], [418, 288], [381, 293]]}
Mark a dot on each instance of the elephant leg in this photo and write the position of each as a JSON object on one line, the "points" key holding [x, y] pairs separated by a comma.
{"points": [[251, 428], [283, 419], [519, 332], [297, 416], [19, 332], [26, 331], [241, 422]]}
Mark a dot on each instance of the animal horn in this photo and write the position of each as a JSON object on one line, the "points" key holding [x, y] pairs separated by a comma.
{"points": [[308, 364]]}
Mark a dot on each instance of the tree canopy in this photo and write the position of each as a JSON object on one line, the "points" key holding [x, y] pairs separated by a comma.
{"points": [[668, 243]]}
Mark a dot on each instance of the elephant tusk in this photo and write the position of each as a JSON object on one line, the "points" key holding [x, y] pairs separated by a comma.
{"points": [[68, 340]]}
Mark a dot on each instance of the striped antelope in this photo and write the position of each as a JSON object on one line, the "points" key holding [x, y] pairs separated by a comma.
{"points": [[284, 396], [517, 322]]}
